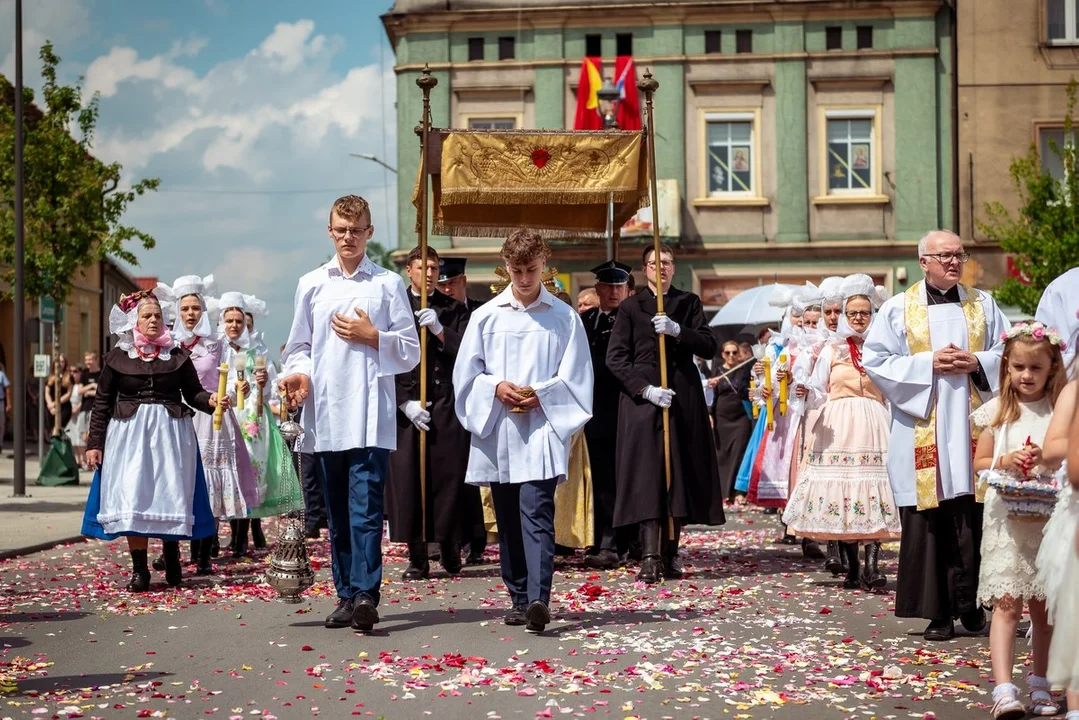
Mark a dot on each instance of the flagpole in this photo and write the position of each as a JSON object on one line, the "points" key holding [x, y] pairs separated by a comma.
{"points": [[19, 371], [426, 83]]}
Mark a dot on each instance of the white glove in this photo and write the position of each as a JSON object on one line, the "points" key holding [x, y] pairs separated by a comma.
{"points": [[660, 397], [665, 326], [428, 318], [416, 414]]}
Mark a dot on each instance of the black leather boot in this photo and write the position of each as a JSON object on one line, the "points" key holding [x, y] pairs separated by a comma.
{"points": [[853, 580], [451, 557], [419, 567], [205, 550], [140, 573], [811, 549], [239, 538], [194, 551], [872, 577], [672, 567], [173, 569], [834, 561], [651, 562], [256, 534], [159, 562]]}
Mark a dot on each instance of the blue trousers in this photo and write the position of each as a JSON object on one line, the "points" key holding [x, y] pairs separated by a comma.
{"points": [[352, 486], [525, 516]]}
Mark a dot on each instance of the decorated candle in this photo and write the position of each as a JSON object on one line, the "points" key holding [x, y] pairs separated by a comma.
{"points": [[260, 364], [768, 407], [222, 390], [752, 388], [783, 384]]}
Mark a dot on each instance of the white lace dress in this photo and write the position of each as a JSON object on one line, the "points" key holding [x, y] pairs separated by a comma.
{"points": [[1010, 546], [1058, 572]]}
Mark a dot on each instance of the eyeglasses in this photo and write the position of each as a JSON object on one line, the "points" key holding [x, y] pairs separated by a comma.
{"points": [[854, 314], [343, 232], [651, 264], [948, 258]]}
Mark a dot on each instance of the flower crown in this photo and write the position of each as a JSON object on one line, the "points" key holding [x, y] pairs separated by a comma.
{"points": [[1036, 330], [131, 301]]}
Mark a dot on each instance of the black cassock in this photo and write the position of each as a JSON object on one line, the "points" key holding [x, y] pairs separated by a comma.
{"points": [[602, 430], [451, 505], [731, 425], [633, 358]]}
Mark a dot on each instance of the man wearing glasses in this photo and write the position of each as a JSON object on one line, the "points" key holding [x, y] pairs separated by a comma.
{"points": [[934, 351]]}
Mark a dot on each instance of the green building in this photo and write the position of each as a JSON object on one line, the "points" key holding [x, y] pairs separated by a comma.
{"points": [[795, 140]]}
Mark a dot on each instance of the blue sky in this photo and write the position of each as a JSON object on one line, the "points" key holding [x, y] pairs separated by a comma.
{"points": [[246, 110]]}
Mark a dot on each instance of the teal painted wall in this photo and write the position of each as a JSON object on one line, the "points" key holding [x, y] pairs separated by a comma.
{"points": [[917, 156], [792, 181], [945, 72]]}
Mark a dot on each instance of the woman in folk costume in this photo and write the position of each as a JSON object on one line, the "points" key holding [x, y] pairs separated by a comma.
{"points": [[844, 494], [782, 297], [149, 480], [277, 482]]}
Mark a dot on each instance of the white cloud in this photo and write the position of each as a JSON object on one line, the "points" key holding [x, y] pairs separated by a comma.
{"points": [[60, 22], [122, 64], [288, 44]]}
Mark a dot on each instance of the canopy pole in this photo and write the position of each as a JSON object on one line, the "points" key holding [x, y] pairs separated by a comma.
{"points": [[648, 85], [426, 83]]}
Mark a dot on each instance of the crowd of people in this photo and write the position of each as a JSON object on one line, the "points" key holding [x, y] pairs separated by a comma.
{"points": [[860, 419]]}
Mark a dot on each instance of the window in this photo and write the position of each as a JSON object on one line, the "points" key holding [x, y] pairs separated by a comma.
{"points": [[850, 151], [865, 37], [475, 49], [731, 155], [492, 123], [623, 44], [711, 42], [833, 37], [506, 48], [1048, 138], [743, 41], [593, 45], [1062, 21]]}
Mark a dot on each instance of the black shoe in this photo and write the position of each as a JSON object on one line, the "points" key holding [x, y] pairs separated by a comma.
{"points": [[538, 616], [215, 546], [787, 539], [516, 616], [173, 569], [239, 538], [364, 614], [834, 562], [770, 510], [940, 630], [974, 620], [312, 533], [811, 550], [564, 551], [341, 617], [158, 563], [603, 560], [651, 570], [256, 534], [634, 552], [672, 568], [434, 551], [203, 549], [853, 580], [872, 577], [474, 558], [416, 571], [140, 574], [451, 558]]}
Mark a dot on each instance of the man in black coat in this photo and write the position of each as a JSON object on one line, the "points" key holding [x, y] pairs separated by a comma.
{"points": [[449, 509], [633, 357], [452, 281], [612, 286]]}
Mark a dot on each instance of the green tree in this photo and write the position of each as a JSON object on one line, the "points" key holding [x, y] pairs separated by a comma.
{"points": [[74, 204], [1043, 237]]}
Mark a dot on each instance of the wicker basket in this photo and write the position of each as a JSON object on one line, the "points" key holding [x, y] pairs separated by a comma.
{"points": [[1024, 498]]}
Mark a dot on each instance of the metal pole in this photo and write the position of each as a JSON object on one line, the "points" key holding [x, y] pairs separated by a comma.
{"points": [[648, 85], [426, 83], [610, 226], [40, 391], [19, 371]]}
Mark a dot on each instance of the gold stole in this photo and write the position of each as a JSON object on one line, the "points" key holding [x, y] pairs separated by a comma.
{"points": [[916, 320]]}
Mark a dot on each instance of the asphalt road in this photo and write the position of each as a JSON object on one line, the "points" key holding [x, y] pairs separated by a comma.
{"points": [[753, 631]]}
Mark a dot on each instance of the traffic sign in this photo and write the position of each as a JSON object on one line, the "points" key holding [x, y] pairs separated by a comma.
{"points": [[41, 366], [48, 310]]}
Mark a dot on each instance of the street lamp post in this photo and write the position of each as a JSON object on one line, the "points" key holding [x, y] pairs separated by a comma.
{"points": [[19, 371], [372, 158], [609, 96]]}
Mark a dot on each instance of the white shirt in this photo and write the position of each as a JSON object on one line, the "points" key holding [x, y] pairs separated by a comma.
{"points": [[352, 402], [913, 389], [1057, 309], [542, 346]]}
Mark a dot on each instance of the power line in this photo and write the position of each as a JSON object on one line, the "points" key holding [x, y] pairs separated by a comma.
{"points": [[228, 191]]}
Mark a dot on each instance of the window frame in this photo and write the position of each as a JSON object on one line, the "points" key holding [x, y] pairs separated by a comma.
{"points": [[754, 196], [743, 34], [1071, 35], [505, 41], [828, 31], [468, 117], [718, 36], [851, 112], [1041, 127], [859, 32], [470, 44]]}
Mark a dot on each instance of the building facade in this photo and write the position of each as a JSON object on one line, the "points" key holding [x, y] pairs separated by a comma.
{"points": [[1015, 59], [800, 140]]}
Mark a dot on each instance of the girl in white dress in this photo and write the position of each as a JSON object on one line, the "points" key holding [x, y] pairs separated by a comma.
{"points": [[1058, 561], [1012, 430]]}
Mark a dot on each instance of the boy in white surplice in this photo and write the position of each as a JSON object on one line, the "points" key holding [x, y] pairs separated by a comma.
{"points": [[523, 380]]}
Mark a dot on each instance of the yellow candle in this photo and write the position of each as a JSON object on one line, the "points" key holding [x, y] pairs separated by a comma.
{"points": [[260, 364], [783, 385], [752, 387], [222, 389], [768, 407], [239, 388]]}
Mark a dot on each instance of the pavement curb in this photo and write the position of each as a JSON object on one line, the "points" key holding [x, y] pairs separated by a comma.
{"points": [[31, 549]]}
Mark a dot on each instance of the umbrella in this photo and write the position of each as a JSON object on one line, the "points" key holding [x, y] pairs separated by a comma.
{"points": [[750, 307]]}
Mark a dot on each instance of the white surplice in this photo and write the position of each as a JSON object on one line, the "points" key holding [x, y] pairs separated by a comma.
{"points": [[542, 346], [1057, 309], [353, 399], [910, 385]]}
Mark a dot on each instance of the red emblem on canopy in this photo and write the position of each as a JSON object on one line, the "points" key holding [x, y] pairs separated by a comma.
{"points": [[540, 157]]}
